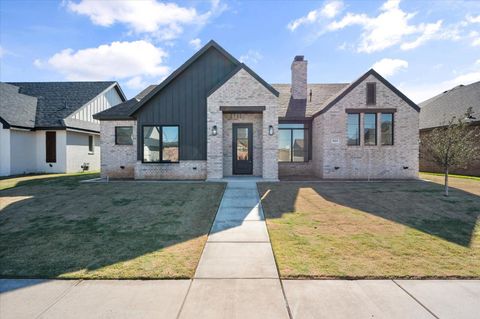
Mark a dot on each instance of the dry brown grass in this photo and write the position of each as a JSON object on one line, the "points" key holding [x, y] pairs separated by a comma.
{"points": [[373, 230]]}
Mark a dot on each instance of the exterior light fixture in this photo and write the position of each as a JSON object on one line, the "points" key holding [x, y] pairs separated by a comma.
{"points": [[270, 130], [214, 130]]}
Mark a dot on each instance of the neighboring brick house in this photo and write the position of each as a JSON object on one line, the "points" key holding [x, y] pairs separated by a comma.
{"points": [[214, 117], [47, 127], [438, 110]]}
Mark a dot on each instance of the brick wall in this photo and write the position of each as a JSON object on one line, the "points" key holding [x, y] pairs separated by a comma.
{"points": [[296, 169], [367, 161], [114, 157], [182, 170], [242, 89]]}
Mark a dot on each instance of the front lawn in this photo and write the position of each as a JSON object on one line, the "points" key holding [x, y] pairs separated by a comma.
{"points": [[373, 230], [56, 227]]}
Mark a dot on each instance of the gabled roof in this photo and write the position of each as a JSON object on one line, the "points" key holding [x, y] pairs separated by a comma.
{"points": [[17, 110], [58, 100], [342, 93], [304, 108], [121, 111], [171, 77], [439, 109]]}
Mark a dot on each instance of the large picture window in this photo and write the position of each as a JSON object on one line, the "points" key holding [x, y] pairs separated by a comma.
{"points": [[370, 128], [293, 142], [386, 127], [160, 144], [353, 129]]}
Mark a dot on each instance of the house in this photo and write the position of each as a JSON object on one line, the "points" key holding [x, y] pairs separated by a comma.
{"points": [[215, 117], [438, 110], [48, 126]]}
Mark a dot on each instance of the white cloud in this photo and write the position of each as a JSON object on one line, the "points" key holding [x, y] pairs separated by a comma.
{"points": [[329, 10], [420, 93], [388, 67], [476, 42], [136, 83], [391, 27], [117, 60], [196, 43], [164, 20], [251, 56], [473, 19]]}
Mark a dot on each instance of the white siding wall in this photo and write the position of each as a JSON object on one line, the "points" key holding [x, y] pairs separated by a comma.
{"points": [[61, 164], [4, 151], [22, 152], [102, 102], [78, 154]]}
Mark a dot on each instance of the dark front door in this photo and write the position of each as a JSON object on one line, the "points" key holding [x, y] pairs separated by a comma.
{"points": [[242, 148]]}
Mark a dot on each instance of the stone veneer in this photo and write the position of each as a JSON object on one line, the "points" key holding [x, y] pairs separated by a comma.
{"points": [[178, 171], [366, 161], [256, 121], [242, 89], [113, 157]]}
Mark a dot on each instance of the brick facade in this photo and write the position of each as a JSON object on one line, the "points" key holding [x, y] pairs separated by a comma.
{"points": [[183, 170], [397, 161], [242, 89], [117, 161]]}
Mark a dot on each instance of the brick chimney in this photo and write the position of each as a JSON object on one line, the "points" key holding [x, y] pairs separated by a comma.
{"points": [[299, 78]]}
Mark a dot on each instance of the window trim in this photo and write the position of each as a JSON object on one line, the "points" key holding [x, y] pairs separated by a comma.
{"points": [[116, 135], [393, 129], [306, 127], [374, 86], [376, 129], [161, 161], [359, 130], [92, 150]]}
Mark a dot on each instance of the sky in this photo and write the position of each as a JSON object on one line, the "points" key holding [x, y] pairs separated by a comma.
{"points": [[422, 47]]}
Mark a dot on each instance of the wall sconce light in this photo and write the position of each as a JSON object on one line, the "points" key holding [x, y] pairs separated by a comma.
{"points": [[270, 130], [214, 130]]}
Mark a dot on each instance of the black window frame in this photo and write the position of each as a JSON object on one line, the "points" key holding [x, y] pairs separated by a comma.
{"points": [[373, 95], [358, 130], [306, 134], [91, 145], [160, 143], [116, 135], [376, 129], [393, 129], [50, 149]]}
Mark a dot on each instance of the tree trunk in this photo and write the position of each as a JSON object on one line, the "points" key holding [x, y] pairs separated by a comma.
{"points": [[446, 181]]}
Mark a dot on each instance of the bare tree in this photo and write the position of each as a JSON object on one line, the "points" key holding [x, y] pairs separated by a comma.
{"points": [[453, 145]]}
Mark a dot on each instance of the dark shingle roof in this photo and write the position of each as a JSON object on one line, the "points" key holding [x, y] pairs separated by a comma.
{"points": [[439, 109], [123, 110], [17, 109], [57, 100], [321, 93]]}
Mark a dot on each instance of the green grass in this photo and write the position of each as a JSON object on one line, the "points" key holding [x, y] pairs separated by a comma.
{"points": [[56, 227], [44, 179], [373, 230], [475, 178]]}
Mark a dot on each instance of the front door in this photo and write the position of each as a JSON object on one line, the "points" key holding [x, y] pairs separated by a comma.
{"points": [[242, 149]]}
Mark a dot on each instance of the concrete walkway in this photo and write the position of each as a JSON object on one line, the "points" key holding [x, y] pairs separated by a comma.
{"points": [[237, 278]]}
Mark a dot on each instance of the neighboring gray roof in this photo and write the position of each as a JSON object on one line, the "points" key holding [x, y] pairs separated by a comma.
{"points": [[123, 110], [16, 109], [57, 100], [439, 109], [295, 108]]}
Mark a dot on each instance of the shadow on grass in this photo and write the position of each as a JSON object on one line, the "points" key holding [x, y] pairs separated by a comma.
{"points": [[416, 204], [60, 228]]}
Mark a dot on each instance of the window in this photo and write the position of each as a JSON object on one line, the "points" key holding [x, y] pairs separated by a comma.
{"points": [[293, 142], [353, 129], [170, 143], [90, 144], [51, 147], [160, 144], [123, 135], [371, 93], [387, 128], [370, 128]]}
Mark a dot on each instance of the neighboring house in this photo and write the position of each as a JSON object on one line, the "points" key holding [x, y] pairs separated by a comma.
{"points": [[214, 117], [438, 110], [48, 126]]}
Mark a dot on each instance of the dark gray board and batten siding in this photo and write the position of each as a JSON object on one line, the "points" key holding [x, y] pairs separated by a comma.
{"points": [[183, 102]]}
